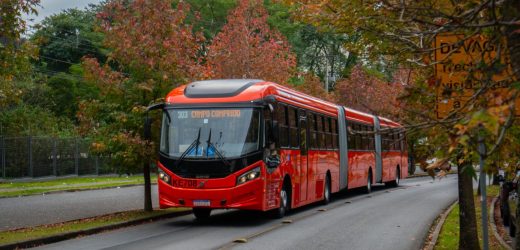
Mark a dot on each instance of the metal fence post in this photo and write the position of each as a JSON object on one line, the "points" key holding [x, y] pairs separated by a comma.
{"points": [[3, 156], [29, 142], [96, 163], [76, 156], [54, 157]]}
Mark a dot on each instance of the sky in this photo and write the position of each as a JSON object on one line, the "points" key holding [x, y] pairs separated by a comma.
{"points": [[49, 7]]}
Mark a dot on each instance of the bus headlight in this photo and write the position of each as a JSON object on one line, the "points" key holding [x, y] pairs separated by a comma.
{"points": [[164, 176], [247, 176]]}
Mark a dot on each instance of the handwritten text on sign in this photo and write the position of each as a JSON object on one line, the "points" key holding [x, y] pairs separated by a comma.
{"points": [[457, 71]]}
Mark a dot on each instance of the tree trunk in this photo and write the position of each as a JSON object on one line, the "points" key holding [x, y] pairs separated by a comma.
{"points": [[517, 219], [147, 188], [146, 168], [511, 12], [467, 217]]}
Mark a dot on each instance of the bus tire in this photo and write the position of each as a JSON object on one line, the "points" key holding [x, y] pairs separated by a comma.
{"points": [[395, 182], [280, 212], [201, 213], [326, 191], [368, 188]]}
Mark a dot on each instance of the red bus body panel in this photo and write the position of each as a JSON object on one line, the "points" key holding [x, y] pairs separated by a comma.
{"points": [[307, 180]]}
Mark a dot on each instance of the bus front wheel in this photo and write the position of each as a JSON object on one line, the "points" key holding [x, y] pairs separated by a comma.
{"points": [[284, 204], [201, 213]]}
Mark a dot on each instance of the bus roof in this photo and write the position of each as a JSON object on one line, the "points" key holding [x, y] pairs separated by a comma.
{"points": [[247, 90]]}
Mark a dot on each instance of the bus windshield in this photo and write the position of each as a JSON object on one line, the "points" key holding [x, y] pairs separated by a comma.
{"points": [[210, 133]]}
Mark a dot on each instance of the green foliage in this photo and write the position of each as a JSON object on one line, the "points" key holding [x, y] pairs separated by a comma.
{"points": [[66, 90], [14, 53], [66, 37], [24, 120], [212, 15], [315, 49]]}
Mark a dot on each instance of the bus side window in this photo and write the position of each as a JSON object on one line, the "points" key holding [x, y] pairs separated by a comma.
{"points": [[293, 124], [328, 139], [350, 135], [384, 140], [334, 133], [268, 128], [372, 140], [281, 114], [397, 142], [312, 131], [354, 136], [319, 120], [401, 141], [359, 139], [316, 132], [364, 138]]}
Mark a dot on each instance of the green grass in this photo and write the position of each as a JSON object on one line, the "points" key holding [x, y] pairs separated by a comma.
{"points": [[12, 189], [13, 236], [449, 235]]}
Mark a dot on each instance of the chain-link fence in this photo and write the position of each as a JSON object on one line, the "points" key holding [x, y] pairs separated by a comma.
{"points": [[44, 156]]}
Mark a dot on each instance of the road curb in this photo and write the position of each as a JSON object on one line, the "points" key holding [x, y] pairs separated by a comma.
{"points": [[494, 226], [74, 190], [70, 235], [426, 175], [438, 227]]}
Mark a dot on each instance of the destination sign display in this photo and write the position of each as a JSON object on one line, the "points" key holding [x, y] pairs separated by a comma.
{"points": [[209, 113], [457, 70]]}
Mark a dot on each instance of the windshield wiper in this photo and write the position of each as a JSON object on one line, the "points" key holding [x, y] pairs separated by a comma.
{"points": [[195, 143], [216, 150]]}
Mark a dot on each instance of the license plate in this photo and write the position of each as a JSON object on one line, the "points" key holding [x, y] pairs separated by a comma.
{"points": [[201, 203]]}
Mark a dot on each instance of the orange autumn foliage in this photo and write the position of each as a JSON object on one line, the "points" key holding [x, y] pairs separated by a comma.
{"points": [[367, 93], [248, 48]]}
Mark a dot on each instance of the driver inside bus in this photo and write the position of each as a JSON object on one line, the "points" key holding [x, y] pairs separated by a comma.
{"points": [[272, 158]]}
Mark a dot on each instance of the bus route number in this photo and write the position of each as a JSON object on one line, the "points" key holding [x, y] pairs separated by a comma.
{"points": [[182, 114]]}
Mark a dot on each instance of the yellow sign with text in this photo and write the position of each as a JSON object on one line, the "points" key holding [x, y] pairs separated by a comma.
{"points": [[459, 70]]}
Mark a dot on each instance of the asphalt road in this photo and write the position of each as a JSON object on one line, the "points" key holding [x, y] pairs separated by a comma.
{"points": [[389, 218], [36, 210]]}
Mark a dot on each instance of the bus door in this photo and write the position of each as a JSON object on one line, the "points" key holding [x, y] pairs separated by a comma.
{"points": [[304, 159]]}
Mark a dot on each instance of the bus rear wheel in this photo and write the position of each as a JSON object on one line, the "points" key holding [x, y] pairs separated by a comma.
{"points": [[395, 182], [368, 188], [201, 213], [326, 191]]}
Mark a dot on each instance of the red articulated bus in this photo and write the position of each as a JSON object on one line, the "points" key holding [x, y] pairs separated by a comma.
{"points": [[256, 145]]}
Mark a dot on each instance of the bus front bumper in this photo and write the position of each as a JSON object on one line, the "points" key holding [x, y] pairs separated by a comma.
{"points": [[248, 196]]}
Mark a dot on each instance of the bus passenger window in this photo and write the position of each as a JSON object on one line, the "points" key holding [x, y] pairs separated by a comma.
{"points": [[334, 133], [328, 139], [321, 143], [366, 137], [293, 124], [281, 115], [359, 137], [313, 140]]}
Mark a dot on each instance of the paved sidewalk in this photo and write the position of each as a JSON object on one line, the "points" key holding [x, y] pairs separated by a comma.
{"points": [[36, 210]]}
